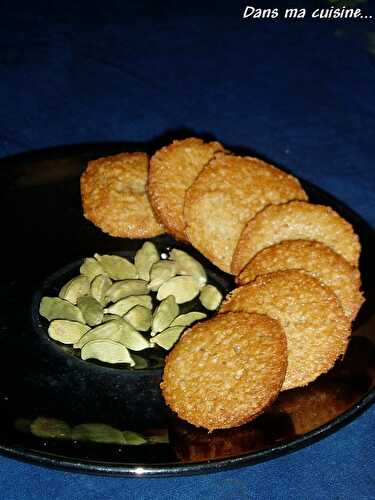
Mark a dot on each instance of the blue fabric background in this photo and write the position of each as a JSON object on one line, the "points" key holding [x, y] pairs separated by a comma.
{"points": [[300, 93]]}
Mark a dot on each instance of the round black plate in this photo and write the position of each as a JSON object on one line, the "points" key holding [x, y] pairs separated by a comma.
{"points": [[43, 230]]}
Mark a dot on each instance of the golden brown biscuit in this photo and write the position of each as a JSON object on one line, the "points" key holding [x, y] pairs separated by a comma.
{"points": [[316, 259], [228, 192], [172, 171], [316, 327], [224, 371], [114, 196], [296, 220]]}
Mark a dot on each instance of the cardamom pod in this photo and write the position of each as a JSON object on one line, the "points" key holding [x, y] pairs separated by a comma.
{"points": [[126, 288], [139, 317], [117, 268], [91, 310], [99, 287], [210, 297], [107, 351], [91, 268], [67, 332], [56, 308], [183, 288], [164, 314], [122, 306], [188, 266], [168, 337], [161, 272], [74, 289], [145, 258], [188, 318]]}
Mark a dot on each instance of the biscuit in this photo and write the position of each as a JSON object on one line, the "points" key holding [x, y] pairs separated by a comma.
{"points": [[296, 220], [114, 197], [226, 370], [172, 171], [316, 327], [316, 259], [228, 192]]}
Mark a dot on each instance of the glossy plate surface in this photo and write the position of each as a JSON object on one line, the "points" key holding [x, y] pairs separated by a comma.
{"points": [[43, 231]]}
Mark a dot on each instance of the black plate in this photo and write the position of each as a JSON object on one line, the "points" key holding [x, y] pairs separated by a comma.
{"points": [[43, 231]]}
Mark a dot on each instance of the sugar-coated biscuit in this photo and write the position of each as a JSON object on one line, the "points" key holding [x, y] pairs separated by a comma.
{"points": [[316, 327], [296, 220], [172, 171], [228, 192], [114, 196], [315, 258], [226, 370]]}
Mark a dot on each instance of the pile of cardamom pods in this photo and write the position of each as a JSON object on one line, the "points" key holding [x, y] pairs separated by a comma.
{"points": [[115, 306]]}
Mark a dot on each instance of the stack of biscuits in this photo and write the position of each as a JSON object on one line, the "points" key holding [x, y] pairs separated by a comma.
{"points": [[295, 264]]}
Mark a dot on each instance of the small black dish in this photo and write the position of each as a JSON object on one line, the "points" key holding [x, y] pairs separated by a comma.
{"points": [[133, 394]]}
